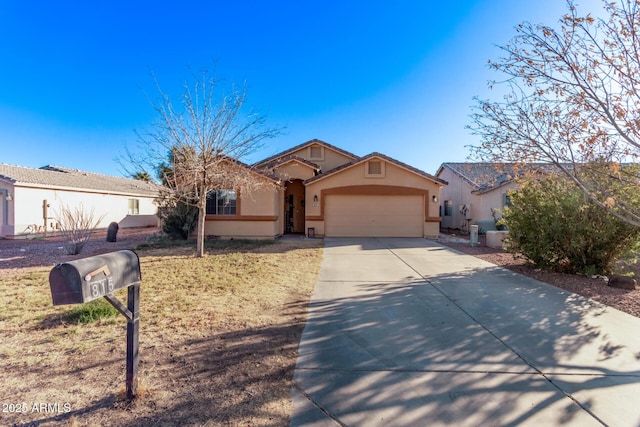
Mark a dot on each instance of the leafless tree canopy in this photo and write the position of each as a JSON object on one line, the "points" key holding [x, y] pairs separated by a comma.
{"points": [[200, 141], [573, 99]]}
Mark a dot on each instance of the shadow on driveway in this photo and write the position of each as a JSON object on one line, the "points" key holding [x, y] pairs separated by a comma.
{"points": [[476, 345]]}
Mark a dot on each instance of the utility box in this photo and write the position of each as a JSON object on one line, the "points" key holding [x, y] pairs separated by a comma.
{"points": [[83, 280], [474, 235]]}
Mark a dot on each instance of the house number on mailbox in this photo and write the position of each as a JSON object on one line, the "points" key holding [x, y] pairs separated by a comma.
{"points": [[102, 287]]}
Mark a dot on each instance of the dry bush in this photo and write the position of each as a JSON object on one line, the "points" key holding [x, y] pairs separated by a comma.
{"points": [[76, 225]]}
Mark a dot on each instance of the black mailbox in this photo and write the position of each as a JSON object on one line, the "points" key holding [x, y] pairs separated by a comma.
{"points": [[86, 279]]}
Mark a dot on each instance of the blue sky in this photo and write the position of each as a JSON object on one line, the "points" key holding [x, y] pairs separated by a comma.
{"points": [[397, 77]]}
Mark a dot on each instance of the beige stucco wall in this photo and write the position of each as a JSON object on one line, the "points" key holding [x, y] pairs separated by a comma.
{"points": [[259, 202], [494, 199], [294, 170], [27, 208], [279, 195], [330, 158], [355, 176], [460, 193], [245, 229], [258, 216]]}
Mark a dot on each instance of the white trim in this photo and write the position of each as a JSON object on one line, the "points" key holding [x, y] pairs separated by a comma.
{"points": [[83, 190]]}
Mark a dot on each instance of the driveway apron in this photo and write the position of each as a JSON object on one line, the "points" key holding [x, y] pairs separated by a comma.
{"points": [[407, 332]]}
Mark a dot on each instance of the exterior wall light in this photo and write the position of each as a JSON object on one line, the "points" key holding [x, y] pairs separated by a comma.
{"points": [[315, 198], [434, 198]]}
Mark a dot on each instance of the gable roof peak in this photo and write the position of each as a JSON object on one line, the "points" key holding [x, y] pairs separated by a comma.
{"points": [[380, 156], [298, 147]]}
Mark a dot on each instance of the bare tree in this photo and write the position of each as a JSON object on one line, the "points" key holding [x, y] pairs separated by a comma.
{"points": [[573, 100], [205, 136], [76, 225]]}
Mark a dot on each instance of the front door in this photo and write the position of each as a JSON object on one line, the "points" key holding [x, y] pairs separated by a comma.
{"points": [[294, 207]]}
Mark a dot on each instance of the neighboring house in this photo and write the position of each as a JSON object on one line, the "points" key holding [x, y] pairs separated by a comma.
{"points": [[30, 199], [320, 189], [475, 190]]}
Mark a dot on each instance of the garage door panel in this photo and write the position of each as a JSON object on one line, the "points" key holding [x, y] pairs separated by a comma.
{"points": [[374, 216]]}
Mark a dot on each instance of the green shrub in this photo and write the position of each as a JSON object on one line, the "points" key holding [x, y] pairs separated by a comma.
{"points": [[178, 221], [554, 227], [90, 312]]}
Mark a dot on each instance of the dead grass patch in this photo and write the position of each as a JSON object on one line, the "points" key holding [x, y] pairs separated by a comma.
{"points": [[218, 341]]}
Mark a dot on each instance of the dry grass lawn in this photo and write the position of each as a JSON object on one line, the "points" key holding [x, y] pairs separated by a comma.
{"points": [[218, 341]]}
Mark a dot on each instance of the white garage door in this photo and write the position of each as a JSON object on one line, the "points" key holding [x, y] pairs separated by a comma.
{"points": [[374, 216]]}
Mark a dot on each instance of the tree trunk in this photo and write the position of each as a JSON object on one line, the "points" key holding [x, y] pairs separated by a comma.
{"points": [[200, 237]]}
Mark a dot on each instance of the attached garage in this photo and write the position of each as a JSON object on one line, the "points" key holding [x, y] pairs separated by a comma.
{"points": [[374, 215], [373, 196]]}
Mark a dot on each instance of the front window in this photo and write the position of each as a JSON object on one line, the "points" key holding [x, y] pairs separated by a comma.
{"points": [[133, 207], [448, 208], [221, 202], [506, 200]]}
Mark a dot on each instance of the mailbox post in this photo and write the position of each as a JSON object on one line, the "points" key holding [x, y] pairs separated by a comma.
{"points": [[84, 280]]}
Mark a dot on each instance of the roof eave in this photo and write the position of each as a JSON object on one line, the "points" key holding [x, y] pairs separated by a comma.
{"points": [[84, 189], [422, 174], [301, 146]]}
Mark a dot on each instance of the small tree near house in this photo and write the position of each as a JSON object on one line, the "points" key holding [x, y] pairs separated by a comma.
{"points": [[178, 219], [206, 134]]}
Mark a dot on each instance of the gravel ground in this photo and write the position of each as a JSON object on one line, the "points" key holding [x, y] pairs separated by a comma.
{"points": [[594, 288], [18, 254]]}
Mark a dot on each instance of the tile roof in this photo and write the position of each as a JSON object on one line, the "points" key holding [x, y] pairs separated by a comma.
{"points": [[487, 176], [291, 158], [60, 177], [300, 146], [265, 172], [381, 156]]}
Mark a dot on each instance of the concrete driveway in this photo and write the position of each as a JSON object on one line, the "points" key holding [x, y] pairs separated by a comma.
{"points": [[406, 332]]}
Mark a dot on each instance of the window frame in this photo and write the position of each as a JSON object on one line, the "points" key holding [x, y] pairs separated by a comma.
{"points": [[133, 206], [506, 200], [448, 208], [220, 204]]}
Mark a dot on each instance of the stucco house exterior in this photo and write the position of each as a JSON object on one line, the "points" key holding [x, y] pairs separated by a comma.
{"points": [[322, 190], [474, 190], [30, 198]]}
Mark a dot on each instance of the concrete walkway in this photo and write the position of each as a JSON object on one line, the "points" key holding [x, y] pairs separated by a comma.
{"points": [[406, 332]]}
